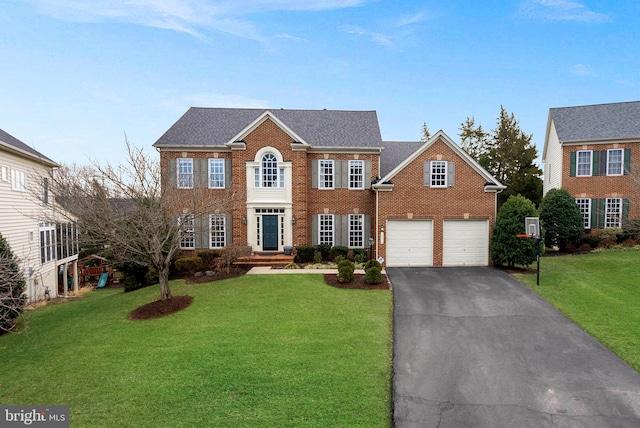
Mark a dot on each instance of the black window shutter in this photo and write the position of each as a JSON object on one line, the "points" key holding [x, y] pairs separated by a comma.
{"points": [[603, 162], [572, 165], [595, 162]]}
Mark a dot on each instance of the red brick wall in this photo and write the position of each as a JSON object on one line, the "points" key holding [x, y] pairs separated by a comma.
{"points": [[602, 186], [411, 199]]}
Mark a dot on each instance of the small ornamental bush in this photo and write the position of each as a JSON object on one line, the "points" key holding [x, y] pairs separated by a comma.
{"points": [[188, 265], [591, 241], [372, 263], [305, 253], [339, 251], [345, 271], [359, 257], [208, 257], [611, 233], [338, 259], [373, 275], [317, 257], [325, 250]]}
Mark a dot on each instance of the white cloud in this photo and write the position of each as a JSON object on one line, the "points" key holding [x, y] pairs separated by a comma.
{"points": [[582, 70], [377, 38], [188, 16], [561, 10], [416, 18], [290, 37]]}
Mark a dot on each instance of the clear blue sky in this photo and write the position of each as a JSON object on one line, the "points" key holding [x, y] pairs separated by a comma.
{"points": [[76, 75]]}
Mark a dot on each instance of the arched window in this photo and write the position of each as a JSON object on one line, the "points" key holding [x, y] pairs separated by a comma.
{"points": [[269, 175]]}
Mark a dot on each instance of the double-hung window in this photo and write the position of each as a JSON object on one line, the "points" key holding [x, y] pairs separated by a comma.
{"points": [[438, 176], [47, 242], [18, 180], [187, 231], [585, 209], [325, 229], [325, 174], [584, 163], [356, 230], [184, 167], [356, 174], [613, 213], [615, 158], [216, 173], [217, 231]]}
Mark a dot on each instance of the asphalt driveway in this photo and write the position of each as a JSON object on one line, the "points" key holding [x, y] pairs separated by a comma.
{"points": [[476, 348]]}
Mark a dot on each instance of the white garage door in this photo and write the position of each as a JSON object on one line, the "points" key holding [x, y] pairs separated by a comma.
{"points": [[465, 243], [409, 243]]}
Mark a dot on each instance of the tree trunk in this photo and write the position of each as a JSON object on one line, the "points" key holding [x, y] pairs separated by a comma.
{"points": [[163, 276]]}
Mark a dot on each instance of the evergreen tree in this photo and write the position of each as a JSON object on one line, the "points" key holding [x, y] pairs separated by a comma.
{"points": [[473, 139], [506, 248], [561, 219], [12, 287], [507, 153]]}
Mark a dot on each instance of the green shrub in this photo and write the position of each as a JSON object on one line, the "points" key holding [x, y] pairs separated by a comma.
{"points": [[134, 275], [506, 248], [611, 233], [591, 241], [338, 259], [339, 251], [325, 250], [345, 275], [188, 265], [12, 287], [305, 253], [373, 275], [345, 271], [359, 255], [372, 263], [561, 220], [346, 263], [208, 257], [291, 266], [152, 276], [317, 257]]}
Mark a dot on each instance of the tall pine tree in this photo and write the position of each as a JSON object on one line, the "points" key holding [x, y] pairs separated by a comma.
{"points": [[507, 153]]}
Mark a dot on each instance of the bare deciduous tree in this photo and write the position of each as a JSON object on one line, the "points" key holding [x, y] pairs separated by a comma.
{"points": [[127, 210]]}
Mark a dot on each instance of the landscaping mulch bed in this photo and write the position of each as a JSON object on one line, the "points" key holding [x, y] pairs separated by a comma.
{"points": [[219, 274], [358, 283], [160, 308]]}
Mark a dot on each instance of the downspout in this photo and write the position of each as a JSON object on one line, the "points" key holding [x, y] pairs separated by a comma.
{"points": [[377, 220]]}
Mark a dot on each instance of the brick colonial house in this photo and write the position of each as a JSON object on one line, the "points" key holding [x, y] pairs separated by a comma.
{"points": [[592, 152], [326, 177]]}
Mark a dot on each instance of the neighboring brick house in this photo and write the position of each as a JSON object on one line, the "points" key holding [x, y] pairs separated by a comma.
{"points": [[592, 152], [326, 177]]}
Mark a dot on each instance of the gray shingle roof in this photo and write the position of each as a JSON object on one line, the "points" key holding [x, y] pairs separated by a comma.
{"points": [[395, 152], [323, 128], [597, 122], [9, 139]]}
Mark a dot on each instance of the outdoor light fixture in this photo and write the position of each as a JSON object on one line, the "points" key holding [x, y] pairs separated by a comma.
{"points": [[293, 220], [244, 220]]}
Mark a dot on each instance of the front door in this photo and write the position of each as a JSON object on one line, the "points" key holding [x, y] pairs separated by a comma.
{"points": [[269, 232]]}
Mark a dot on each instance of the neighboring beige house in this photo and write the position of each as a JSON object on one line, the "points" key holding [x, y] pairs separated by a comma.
{"points": [[47, 249]]}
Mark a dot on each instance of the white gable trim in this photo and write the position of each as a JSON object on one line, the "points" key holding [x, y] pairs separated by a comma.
{"points": [[453, 146], [259, 121]]}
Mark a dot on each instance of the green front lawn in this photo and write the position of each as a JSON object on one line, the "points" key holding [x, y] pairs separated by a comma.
{"points": [[600, 292], [260, 350]]}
